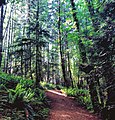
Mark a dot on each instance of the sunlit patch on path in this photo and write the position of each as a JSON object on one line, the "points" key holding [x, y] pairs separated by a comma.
{"points": [[65, 108], [58, 93]]}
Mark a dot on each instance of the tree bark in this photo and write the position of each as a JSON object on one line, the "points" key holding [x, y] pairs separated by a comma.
{"points": [[69, 66], [38, 52], [93, 93], [81, 45], [1, 33], [60, 46], [92, 87]]}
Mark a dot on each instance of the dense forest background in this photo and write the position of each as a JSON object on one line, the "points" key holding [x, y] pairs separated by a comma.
{"points": [[64, 42]]}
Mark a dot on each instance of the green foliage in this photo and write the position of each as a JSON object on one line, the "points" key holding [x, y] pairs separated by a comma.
{"points": [[70, 91], [81, 95], [22, 101], [10, 81], [83, 98], [50, 86], [20, 94]]}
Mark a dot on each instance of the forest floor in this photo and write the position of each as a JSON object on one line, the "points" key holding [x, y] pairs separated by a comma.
{"points": [[66, 108]]}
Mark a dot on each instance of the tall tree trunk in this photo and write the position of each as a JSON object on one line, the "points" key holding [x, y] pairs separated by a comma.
{"points": [[38, 52], [8, 47], [11, 42], [6, 39], [1, 33], [81, 45], [21, 59], [69, 68], [109, 75], [28, 35], [48, 65], [69, 65], [60, 46], [92, 86], [25, 56]]}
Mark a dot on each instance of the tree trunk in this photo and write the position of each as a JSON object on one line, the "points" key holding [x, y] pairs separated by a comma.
{"points": [[28, 35], [38, 52], [81, 45], [69, 66], [60, 46], [1, 33], [92, 87], [93, 93], [48, 65], [110, 78]]}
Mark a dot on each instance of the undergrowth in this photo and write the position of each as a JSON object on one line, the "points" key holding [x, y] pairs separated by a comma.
{"points": [[50, 86], [19, 100], [82, 96]]}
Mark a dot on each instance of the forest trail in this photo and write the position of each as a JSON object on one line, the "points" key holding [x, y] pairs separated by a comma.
{"points": [[65, 108]]}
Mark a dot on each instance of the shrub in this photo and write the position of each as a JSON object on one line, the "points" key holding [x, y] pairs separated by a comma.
{"points": [[81, 95], [11, 81], [21, 101], [48, 85]]}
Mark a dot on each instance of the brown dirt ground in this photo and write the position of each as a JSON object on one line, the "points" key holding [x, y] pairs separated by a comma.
{"points": [[65, 108]]}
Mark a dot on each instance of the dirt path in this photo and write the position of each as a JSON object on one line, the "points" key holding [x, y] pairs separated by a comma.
{"points": [[65, 108]]}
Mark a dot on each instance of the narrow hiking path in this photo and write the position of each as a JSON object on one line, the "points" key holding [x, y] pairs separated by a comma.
{"points": [[65, 108]]}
